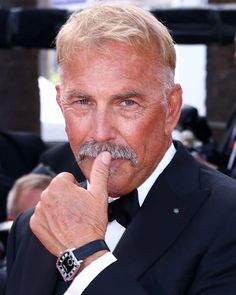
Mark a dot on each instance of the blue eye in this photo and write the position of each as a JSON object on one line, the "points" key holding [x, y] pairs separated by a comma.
{"points": [[83, 101], [128, 102]]}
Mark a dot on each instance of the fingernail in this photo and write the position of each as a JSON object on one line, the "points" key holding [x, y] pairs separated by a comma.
{"points": [[105, 158]]}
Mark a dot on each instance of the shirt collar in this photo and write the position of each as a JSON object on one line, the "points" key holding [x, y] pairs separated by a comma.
{"points": [[144, 188]]}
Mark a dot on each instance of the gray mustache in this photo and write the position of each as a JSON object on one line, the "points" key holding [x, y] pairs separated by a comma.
{"points": [[117, 151]]}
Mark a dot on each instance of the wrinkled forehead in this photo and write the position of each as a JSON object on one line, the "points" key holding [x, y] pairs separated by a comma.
{"points": [[122, 70], [116, 58]]}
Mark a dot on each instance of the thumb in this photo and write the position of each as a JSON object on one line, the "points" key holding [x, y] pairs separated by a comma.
{"points": [[99, 174]]}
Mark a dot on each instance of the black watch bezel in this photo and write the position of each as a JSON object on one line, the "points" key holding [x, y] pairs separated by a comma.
{"points": [[69, 262], [68, 265]]}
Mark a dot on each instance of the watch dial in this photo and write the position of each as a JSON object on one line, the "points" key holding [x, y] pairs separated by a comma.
{"points": [[68, 264]]}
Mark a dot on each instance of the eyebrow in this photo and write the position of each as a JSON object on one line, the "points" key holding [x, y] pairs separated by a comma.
{"points": [[124, 95], [76, 93], [127, 94]]}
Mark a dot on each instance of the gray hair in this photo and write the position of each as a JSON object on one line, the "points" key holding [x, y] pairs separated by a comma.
{"points": [[92, 27], [118, 151], [27, 182]]}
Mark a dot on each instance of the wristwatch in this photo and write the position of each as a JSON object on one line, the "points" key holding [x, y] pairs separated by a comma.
{"points": [[69, 262]]}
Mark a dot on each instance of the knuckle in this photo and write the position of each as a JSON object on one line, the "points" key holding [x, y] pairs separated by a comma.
{"points": [[32, 222], [37, 209], [44, 195]]}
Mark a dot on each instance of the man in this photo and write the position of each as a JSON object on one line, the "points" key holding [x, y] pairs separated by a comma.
{"points": [[120, 105], [19, 154], [25, 193]]}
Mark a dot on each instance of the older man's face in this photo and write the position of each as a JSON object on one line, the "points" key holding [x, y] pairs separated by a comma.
{"points": [[115, 100]]}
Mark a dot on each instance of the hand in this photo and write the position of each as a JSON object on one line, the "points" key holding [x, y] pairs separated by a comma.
{"points": [[68, 216]]}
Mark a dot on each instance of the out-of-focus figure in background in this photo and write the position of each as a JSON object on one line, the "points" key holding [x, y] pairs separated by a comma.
{"points": [[194, 132], [24, 194], [19, 154]]}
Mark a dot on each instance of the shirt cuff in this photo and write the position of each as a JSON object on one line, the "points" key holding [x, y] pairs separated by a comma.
{"points": [[85, 277]]}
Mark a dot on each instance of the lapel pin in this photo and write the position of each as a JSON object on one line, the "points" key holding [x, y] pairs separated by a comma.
{"points": [[176, 211]]}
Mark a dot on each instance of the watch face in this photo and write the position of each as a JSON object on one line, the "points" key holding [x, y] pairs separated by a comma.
{"points": [[68, 265]]}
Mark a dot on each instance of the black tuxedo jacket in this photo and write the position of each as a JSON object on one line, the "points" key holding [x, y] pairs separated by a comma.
{"points": [[61, 159], [2, 281], [182, 241], [19, 154]]}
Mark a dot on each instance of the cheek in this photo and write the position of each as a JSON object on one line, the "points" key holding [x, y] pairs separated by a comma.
{"points": [[76, 129], [151, 145], [146, 133]]}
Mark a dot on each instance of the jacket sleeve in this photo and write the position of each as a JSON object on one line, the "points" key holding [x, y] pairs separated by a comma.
{"points": [[216, 273], [2, 281], [116, 280]]}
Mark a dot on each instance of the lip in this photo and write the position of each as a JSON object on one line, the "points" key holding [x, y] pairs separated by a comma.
{"points": [[114, 161], [116, 166], [119, 159]]}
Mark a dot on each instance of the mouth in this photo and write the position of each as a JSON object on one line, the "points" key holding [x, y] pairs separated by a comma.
{"points": [[114, 168]]}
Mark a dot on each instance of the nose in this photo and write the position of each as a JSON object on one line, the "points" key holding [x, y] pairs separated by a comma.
{"points": [[103, 128]]}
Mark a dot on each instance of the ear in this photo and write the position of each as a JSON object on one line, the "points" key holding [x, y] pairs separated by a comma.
{"points": [[59, 100], [58, 96], [174, 103]]}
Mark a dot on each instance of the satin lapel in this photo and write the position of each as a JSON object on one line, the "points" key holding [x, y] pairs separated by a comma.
{"points": [[165, 213]]}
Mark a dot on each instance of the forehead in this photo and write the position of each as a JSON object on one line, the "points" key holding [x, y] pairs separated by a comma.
{"points": [[114, 52], [116, 60]]}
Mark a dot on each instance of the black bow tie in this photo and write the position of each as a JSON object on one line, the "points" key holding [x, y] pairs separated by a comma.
{"points": [[124, 208]]}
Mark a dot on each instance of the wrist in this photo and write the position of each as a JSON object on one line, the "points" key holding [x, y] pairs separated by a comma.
{"points": [[69, 263], [92, 258]]}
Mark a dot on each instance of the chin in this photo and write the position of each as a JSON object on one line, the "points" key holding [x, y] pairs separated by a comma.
{"points": [[118, 186]]}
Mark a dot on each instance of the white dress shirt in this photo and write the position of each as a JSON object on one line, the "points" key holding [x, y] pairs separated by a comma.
{"points": [[114, 232]]}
